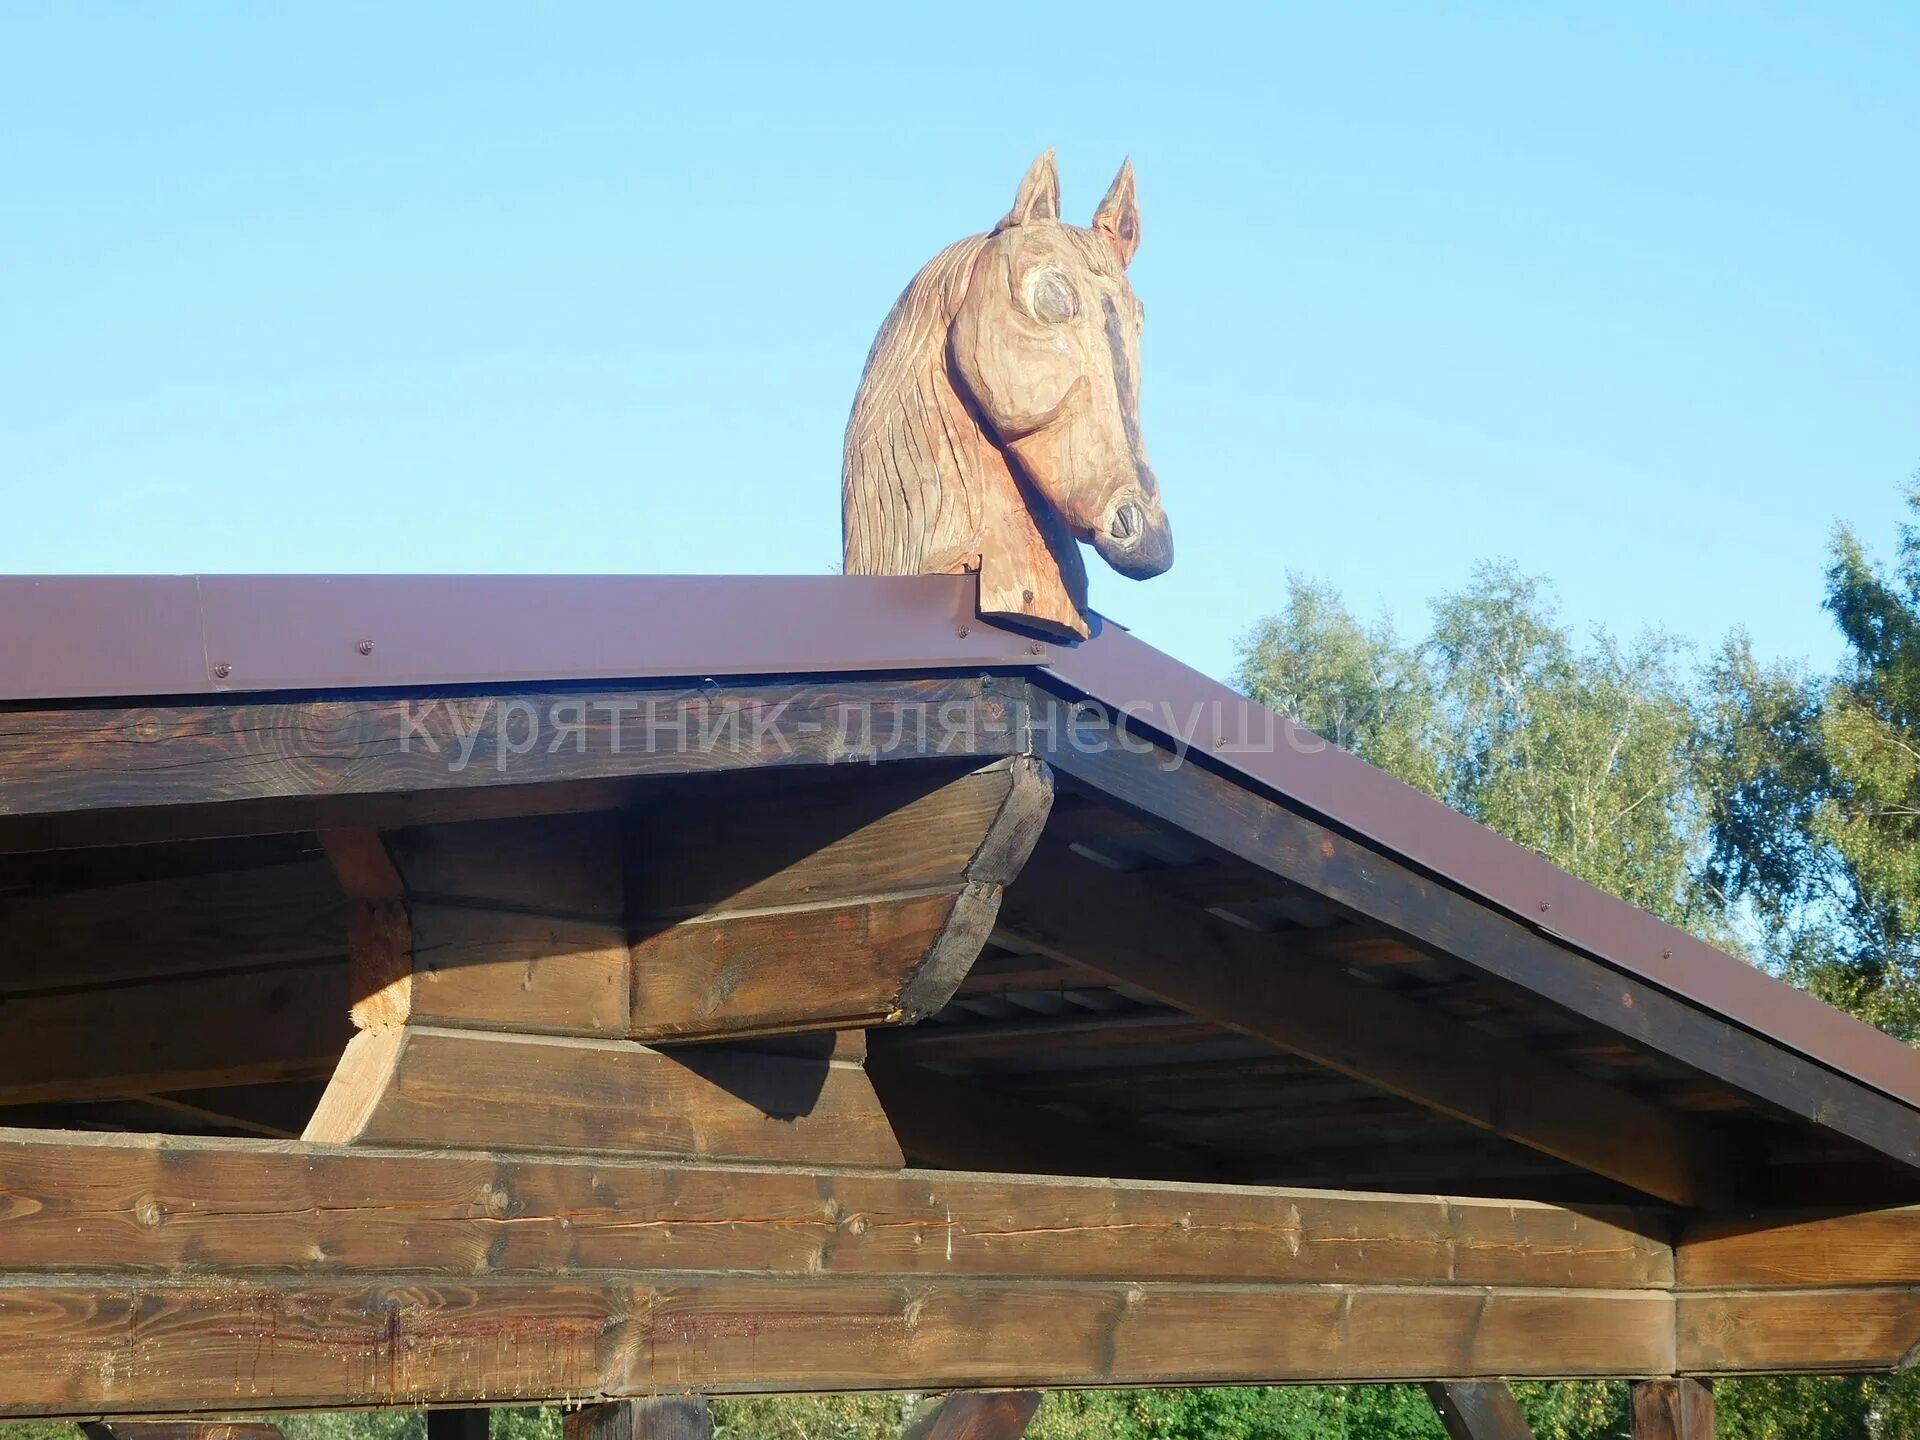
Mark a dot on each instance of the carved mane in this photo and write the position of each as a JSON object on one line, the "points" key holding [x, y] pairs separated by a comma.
{"points": [[925, 488]]}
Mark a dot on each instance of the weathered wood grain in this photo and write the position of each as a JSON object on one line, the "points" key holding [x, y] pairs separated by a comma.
{"points": [[973, 1415], [1071, 908], [314, 758], [1672, 1409], [156, 1208], [1215, 809], [427, 1086], [1774, 1331], [241, 919], [499, 969], [1814, 1249], [1478, 1410], [860, 904], [1011, 354], [660, 1417], [200, 1031], [107, 1348]]}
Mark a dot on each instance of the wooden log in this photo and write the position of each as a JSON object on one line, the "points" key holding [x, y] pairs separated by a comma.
{"points": [[1222, 812], [974, 1415], [416, 1085], [860, 905], [1478, 1410], [107, 1346], [1672, 1409], [843, 905], [660, 1417], [467, 959], [201, 1031], [113, 774], [1074, 909], [177, 1207]]}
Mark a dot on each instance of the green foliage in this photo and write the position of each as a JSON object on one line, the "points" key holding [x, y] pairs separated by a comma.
{"points": [[1582, 753], [1814, 788]]}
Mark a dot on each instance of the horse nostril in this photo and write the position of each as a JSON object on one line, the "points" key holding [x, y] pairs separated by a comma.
{"points": [[1126, 523]]}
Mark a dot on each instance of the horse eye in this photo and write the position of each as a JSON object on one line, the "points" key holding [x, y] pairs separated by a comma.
{"points": [[1050, 296]]}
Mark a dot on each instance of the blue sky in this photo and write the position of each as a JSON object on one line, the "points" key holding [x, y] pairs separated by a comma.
{"points": [[1626, 293]]}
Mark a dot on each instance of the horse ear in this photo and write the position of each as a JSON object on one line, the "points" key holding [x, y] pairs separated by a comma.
{"points": [[1118, 217], [1039, 195]]}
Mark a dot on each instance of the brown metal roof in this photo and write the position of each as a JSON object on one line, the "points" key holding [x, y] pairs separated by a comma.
{"points": [[78, 638]]}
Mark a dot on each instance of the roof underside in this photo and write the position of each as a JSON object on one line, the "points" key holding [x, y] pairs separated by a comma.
{"points": [[1030, 1028]]}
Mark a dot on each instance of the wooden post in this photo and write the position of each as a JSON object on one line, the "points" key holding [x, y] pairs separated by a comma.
{"points": [[664, 1417], [470, 1424], [973, 1415], [1479, 1410], [1672, 1410]]}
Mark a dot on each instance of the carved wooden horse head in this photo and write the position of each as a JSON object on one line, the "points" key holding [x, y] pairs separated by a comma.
{"points": [[999, 417]]}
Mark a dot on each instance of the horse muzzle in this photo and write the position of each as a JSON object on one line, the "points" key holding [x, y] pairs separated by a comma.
{"points": [[1136, 539]]}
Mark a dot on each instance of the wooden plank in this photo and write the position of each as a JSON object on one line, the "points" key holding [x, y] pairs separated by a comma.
{"points": [[420, 1085], [1478, 1410], [1097, 918], [1814, 1249], [1672, 1409], [660, 1417], [859, 904], [310, 758], [202, 1031], [273, 915], [1209, 806], [974, 1415], [107, 1347], [179, 1206]]}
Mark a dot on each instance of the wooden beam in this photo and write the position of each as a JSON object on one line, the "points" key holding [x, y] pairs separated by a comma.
{"points": [[475, 1423], [853, 901], [1097, 918], [973, 1415], [660, 1417], [197, 1277], [854, 904], [110, 775], [119, 1345], [180, 1206], [1801, 1250], [1672, 1409], [1478, 1410], [1185, 793], [417, 1085]]}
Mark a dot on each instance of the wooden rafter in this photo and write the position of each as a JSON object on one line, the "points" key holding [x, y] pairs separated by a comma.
{"points": [[1072, 908], [1186, 794]]}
